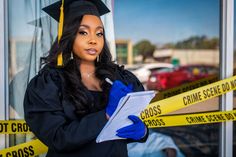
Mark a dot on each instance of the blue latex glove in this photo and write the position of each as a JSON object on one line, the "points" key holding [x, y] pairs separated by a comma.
{"points": [[118, 90], [135, 131]]}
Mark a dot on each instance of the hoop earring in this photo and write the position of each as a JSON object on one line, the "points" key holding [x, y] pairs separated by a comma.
{"points": [[71, 55], [98, 58]]}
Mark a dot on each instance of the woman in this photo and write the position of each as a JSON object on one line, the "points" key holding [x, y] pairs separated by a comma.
{"points": [[67, 106]]}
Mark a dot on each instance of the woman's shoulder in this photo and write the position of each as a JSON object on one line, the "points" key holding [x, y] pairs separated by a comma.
{"points": [[46, 78], [120, 70], [43, 92], [128, 77], [49, 70]]}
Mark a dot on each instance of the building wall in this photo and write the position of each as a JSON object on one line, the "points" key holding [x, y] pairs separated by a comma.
{"points": [[187, 56], [124, 51]]}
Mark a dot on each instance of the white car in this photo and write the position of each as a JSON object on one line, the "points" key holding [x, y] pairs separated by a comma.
{"points": [[143, 71]]}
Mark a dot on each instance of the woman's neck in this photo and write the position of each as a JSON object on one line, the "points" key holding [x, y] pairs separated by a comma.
{"points": [[87, 67], [87, 70]]}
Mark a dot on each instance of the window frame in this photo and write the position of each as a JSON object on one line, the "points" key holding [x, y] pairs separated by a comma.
{"points": [[226, 58], [4, 105], [226, 70]]}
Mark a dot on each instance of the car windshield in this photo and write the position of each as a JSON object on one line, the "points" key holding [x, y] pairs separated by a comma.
{"points": [[132, 68], [157, 69], [163, 70]]}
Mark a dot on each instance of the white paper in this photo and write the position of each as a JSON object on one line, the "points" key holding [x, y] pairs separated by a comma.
{"points": [[131, 104]]}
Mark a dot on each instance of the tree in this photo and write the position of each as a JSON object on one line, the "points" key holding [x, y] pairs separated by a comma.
{"points": [[168, 46], [145, 48], [198, 42]]}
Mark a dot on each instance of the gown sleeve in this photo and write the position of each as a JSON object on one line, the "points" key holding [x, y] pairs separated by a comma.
{"points": [[45, 116], [128, 77]]}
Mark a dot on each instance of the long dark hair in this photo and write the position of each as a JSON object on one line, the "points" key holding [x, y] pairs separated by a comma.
{"points": [[74, 89]]}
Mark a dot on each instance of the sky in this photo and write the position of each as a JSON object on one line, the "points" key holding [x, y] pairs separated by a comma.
{"points": [[160, 21], [164, 21]]}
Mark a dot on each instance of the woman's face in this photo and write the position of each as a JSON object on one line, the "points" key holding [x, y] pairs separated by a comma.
{"points": [[89, 40]]}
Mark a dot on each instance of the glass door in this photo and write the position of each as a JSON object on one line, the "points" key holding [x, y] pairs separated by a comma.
{"points": [[173, 43]]}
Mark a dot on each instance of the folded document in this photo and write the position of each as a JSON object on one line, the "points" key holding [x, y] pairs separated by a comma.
{"points": [[131, 104]]}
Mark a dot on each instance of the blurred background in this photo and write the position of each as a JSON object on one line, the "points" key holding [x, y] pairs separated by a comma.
{"points": [[167, 43], [150, 33]]}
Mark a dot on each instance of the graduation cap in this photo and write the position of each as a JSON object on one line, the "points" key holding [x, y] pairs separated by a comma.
{"points": [[65, 8], [77, 8]]}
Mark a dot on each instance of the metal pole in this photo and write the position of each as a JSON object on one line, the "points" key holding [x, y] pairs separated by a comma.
{"points": [[3, 69], [226, 70]]}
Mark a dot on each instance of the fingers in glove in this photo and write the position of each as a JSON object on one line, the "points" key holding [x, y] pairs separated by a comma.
{"points": [[118, 84], [126, 129], [134, 119], [133, 126], [126, 134], [130, 86]]}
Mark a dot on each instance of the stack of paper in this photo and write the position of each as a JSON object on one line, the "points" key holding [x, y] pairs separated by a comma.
{"points": [[131, 104]]}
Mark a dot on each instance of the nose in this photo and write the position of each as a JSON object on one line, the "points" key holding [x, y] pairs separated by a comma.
{"points": [[92, 40]]}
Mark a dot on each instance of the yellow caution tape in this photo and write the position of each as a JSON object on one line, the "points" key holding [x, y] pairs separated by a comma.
{"points": [[190, 119], [36, 147], [29, 149], [20, 126], [149, 115], [14, 127], [184, 88], [188, 98]]}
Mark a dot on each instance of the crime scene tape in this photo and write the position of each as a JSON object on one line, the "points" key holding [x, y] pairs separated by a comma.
{"points": [[28, 149], [189, 98], [152, 113], [14, 127], [35, 147], [184, 88], [20, 126], [191, 119]]}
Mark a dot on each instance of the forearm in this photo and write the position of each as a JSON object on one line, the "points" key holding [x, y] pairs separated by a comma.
{"points": [[61, 135]]}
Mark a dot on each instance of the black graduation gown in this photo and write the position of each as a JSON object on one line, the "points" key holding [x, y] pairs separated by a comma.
{"points": [[54, 122]]}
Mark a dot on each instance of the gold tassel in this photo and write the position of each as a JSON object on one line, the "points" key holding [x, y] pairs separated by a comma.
{"points": [[60, 30]]}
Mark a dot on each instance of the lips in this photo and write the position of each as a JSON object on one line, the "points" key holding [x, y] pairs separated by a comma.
{"points": [[91, 51]]}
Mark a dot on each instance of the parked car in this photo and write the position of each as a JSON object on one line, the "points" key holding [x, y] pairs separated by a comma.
{"points": [[143, 71], [171, 77]]}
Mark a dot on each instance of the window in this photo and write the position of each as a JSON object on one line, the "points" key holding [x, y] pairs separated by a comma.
{"points": [[182, 33], [29, 40]]}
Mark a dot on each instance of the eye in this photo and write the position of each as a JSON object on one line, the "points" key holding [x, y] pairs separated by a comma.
{"points": [[83, 33], [100, 34]]}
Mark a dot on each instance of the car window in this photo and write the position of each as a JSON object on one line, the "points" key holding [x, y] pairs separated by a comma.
{"points": [[156, 69], [211, 70], [132, 68], [165, 70]]}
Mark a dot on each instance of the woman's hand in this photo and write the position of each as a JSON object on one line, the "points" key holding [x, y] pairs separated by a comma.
{"points": [[135, 131], [118, 90]]}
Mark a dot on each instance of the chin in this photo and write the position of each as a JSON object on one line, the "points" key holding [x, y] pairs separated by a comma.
{"points": [[88, 59]]}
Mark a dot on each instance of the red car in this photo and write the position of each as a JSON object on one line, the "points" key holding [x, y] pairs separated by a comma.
{"points": [[172, 77]]}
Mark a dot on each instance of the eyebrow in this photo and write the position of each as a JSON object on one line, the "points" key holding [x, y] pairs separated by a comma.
{"points": [[86, 26]]}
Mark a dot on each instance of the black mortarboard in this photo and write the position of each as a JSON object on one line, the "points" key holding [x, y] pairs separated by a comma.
{"points": [[77, 8]]}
